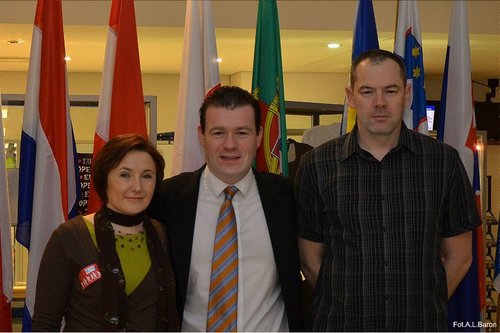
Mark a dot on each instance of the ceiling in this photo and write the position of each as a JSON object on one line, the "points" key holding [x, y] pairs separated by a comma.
{"points": [[306, 28]]}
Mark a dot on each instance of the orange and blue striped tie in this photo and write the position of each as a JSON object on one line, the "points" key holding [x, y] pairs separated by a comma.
{"points": [[223, 294]]}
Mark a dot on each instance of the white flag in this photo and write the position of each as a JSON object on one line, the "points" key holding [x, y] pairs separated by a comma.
{"points": [[199, 78]]}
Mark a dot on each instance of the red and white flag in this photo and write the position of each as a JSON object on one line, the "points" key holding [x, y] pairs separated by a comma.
{"points": [[5, 242], [48, 187], [199, 78], [457, 127], [121, 103]]}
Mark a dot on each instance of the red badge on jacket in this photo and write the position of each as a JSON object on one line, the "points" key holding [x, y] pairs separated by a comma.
{"points": [[89, 275]]}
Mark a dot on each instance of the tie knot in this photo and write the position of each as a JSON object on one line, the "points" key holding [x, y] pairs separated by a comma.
{"points": [[229, 192]]}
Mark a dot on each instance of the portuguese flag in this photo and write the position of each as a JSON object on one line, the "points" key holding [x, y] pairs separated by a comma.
{"points": [[267, 87]]}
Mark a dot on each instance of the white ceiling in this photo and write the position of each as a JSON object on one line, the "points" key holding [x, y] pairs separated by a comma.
{"points": [[306, 28]]}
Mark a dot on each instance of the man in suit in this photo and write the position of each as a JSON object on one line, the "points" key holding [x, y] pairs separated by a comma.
{"points": [[268, 279]]}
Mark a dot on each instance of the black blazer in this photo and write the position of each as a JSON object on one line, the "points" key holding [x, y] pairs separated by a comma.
{"points": [[175, 206]]}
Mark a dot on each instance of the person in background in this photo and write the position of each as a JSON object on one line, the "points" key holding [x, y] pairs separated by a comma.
{"points": [[110, 270], [232, 231], [320, 134], [385, 214]]}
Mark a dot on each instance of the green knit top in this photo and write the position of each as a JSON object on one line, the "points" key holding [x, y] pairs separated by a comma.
{"points": [[133, 254]]}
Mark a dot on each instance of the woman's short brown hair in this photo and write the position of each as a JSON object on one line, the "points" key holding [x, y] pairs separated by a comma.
{"points": [[114, 151]]}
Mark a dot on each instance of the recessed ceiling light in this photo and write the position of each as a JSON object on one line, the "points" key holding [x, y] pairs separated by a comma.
{"points": [[219, 60], [15, 41], [333, 45], [68, 58]]}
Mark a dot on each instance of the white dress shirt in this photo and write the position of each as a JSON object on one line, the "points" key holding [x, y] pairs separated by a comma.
{"points": [[260, 303]]}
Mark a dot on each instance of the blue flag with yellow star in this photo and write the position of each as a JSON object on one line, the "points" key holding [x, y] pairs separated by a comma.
{"points": [[409, 46]]}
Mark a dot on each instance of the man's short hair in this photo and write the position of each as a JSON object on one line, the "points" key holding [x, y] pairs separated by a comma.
{"points": [[230, 97], [377, 56]]}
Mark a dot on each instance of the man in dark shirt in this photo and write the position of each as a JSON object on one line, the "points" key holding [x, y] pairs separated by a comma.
{"points": [[385, 214]]}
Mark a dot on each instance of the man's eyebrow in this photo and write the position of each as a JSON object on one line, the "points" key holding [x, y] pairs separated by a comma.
{"points": [[385, 87]]}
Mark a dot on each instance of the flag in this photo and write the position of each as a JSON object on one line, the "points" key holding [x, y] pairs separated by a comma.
{"points": [[408, 44], [199, 79], [457, 127], [267, 87], [365, 38], [48, 171], [5, 242], [121, 103]]}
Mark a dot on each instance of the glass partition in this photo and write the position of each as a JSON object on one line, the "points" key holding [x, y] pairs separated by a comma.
{"points": [[83, 112]]}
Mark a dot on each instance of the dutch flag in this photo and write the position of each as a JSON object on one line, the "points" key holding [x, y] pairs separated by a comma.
{"points": [[48, 170]]}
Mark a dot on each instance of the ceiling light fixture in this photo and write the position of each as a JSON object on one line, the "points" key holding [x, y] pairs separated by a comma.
{"points": [[68, 58], [219, 60], [333, 45], [14, 59], [15, 41]]}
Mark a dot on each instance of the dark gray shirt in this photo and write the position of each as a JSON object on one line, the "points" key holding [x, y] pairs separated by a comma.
{"points": [[382, 223]]}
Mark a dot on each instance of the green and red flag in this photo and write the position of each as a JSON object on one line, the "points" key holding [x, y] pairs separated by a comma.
{"points": [[267, 87]]}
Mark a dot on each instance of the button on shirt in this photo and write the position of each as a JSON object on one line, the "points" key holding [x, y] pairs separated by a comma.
{"points": [[260, 303], [382, 224]]}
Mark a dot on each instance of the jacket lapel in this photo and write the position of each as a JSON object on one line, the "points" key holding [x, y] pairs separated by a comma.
{"points": [[276, 211], [184, 199]]}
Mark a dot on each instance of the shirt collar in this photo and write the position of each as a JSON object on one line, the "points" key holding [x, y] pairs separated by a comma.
{"points": [[406, 139], [350, 143], [217, 186]]}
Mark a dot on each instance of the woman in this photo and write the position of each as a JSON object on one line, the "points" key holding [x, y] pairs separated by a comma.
{"points": [[110, 270]]}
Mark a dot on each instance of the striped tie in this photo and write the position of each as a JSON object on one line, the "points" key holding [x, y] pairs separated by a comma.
{"points": [[223, 295]]}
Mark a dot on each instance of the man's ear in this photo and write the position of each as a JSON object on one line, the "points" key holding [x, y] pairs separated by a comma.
{"points": [[349, 94], [201, 137], [408, 91], [259, 137]]}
